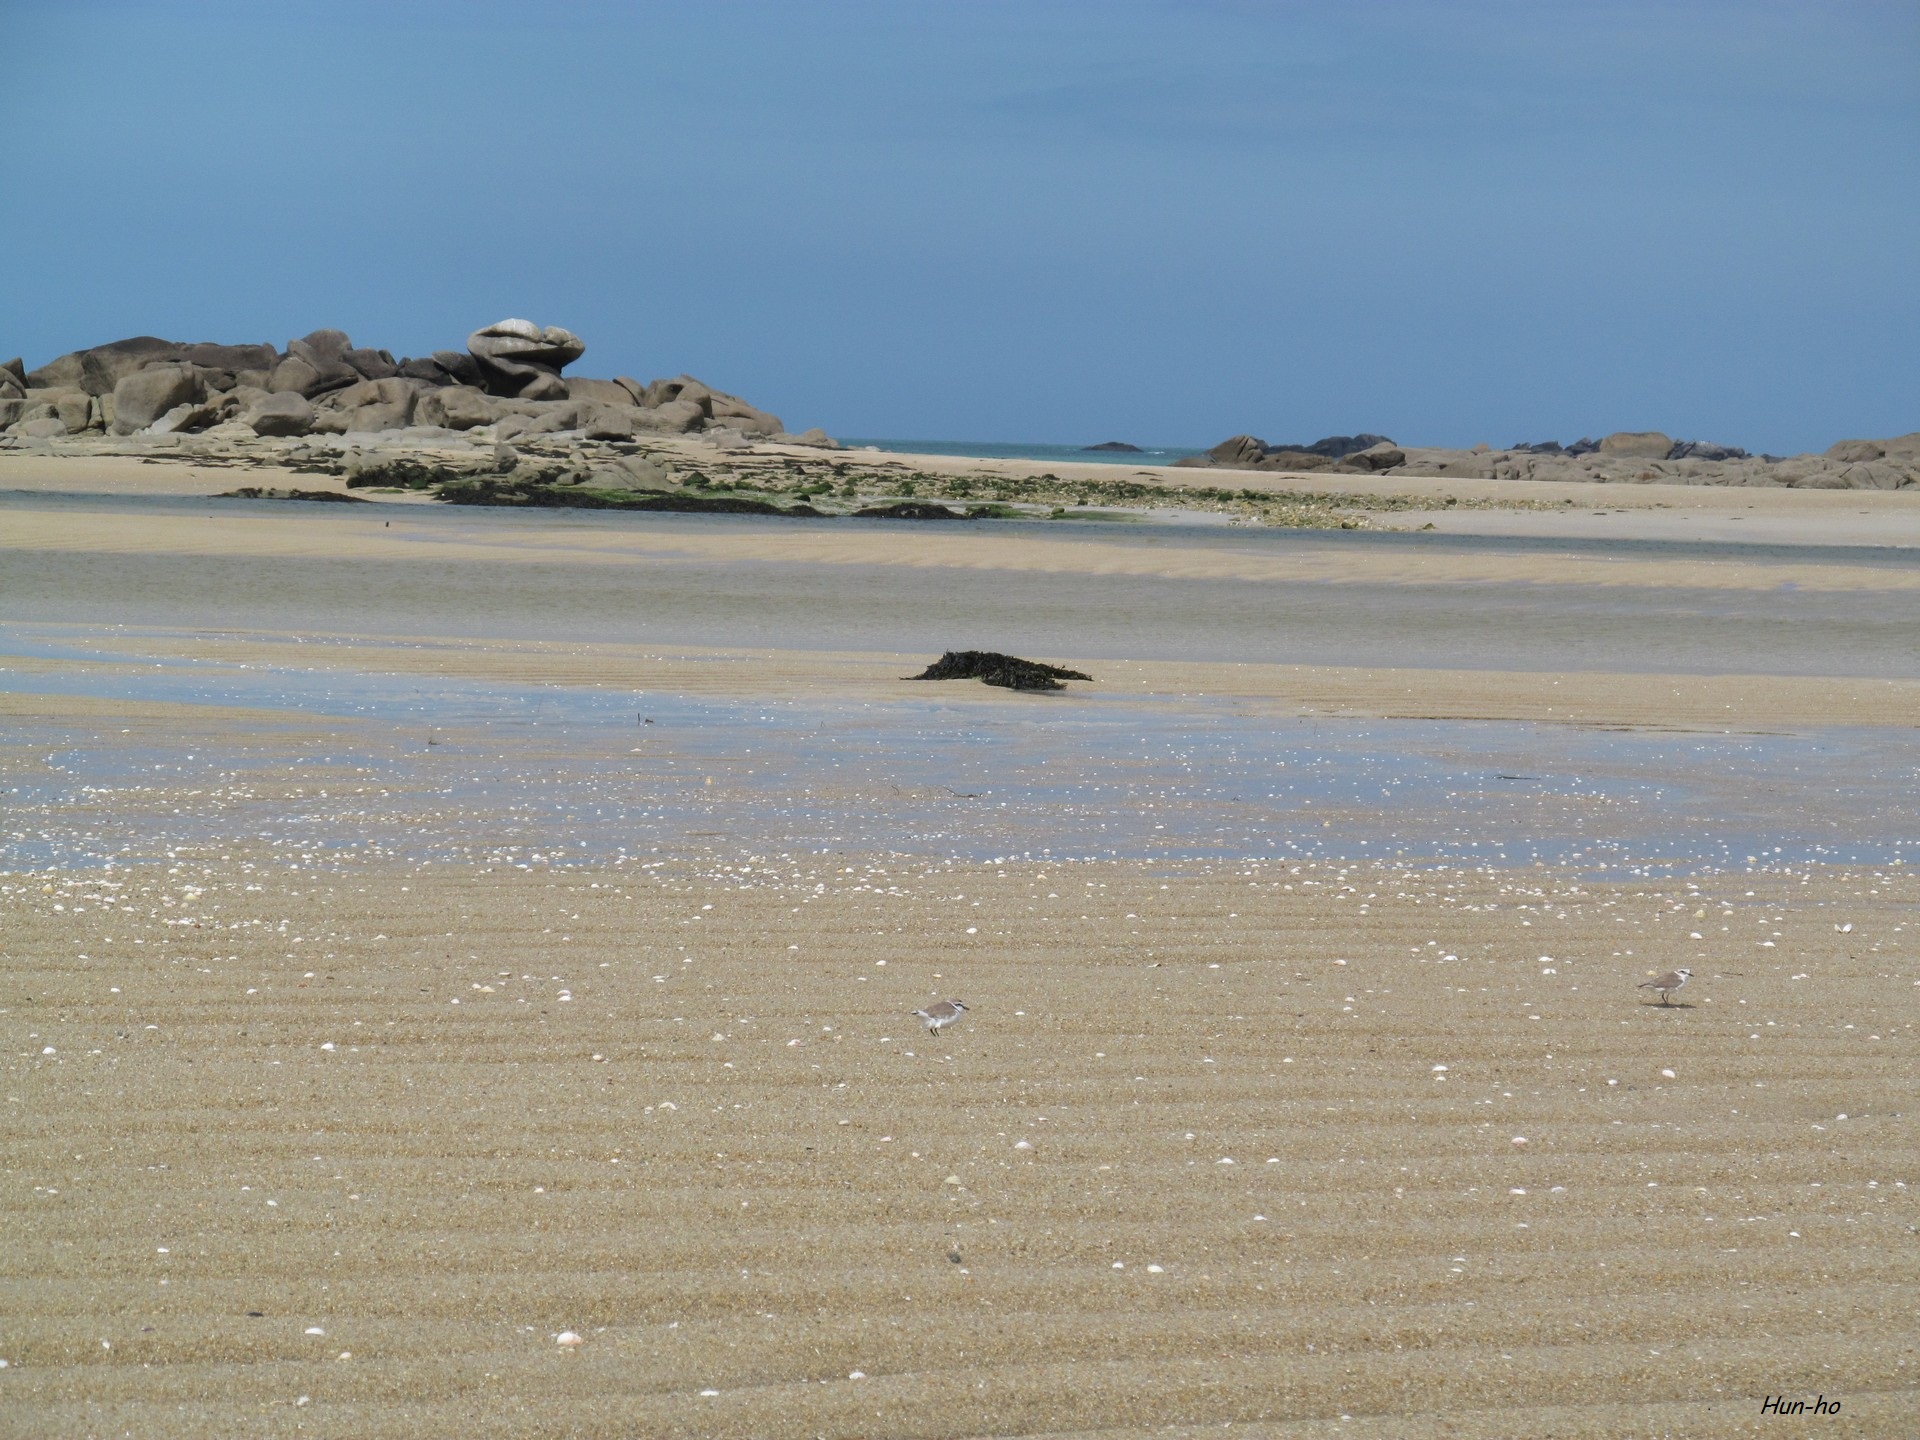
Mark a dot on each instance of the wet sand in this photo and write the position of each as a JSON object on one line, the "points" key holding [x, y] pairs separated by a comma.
{"points": [[305, 1134], [1163, 593], [345, 1149]]}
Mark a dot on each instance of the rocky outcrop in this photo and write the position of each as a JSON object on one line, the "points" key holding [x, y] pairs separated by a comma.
{"points": [[1641, 457], [508, 378], [1248, 452], [1899, 448]]}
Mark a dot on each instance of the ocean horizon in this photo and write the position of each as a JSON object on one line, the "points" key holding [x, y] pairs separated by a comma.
{"points": [[1010, 450]]}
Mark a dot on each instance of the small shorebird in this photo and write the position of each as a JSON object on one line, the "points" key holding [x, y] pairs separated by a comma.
{"points": [[940, 1014], [1668, 983]]}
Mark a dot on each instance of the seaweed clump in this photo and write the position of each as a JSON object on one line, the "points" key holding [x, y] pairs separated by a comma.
{"points": [[482, 490], [993, 668], [910, 510], [256, 492], [401, 473]]}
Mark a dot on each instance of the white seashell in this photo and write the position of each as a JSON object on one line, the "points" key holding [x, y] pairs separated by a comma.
{"points": [[567, 1337]]}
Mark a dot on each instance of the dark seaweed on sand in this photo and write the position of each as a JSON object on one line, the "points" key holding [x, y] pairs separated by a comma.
{"points": [[255, 492], [910, 510], [533, 495], [994, 668]]}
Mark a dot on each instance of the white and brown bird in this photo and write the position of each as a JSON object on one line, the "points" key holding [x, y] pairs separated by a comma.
{"points": [[1668, 983], [940, 1014]]}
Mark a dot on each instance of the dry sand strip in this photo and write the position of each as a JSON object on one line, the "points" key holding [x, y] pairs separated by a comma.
{"points": [[1134, 592], [1251, 1149]]}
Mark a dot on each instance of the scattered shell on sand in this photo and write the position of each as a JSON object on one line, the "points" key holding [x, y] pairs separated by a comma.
{"points": [[568, 1338]]}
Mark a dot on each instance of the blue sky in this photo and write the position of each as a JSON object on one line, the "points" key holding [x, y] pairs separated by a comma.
{"points": [[1038, 221]]}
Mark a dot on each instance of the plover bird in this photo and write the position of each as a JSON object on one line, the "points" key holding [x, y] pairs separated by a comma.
{"points": [[1666, 984], [940, 1014]]}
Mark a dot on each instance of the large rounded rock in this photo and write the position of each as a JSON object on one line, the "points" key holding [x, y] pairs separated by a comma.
{"points": [[605, 392], [464, 369], [234, 358], [518, 357], [374, 364], [287, 413], [607, 422], [325, 353], [455, 407], [369, 405], [1855, 451], [75, 409], [1238, 452], [1383, 456], [525, 343], [681, 387], [293, 375], [737, 414], [1637, 445], [144, 396], [676, 417], [321, 347], [99, 369]]}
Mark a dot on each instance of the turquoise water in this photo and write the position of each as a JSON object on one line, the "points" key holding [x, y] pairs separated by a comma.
{"points": [[1056, 454]]}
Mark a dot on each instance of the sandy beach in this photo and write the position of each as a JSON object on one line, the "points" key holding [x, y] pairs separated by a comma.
{"points": [[431, 935]]}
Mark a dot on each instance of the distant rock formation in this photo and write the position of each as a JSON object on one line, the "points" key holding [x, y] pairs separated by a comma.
{"points": [[1118, 447], [1628, 456], [507, 380], [1247, 452]]}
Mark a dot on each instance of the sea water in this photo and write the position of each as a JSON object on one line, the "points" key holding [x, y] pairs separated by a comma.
{"points": [[1049, 454]]}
